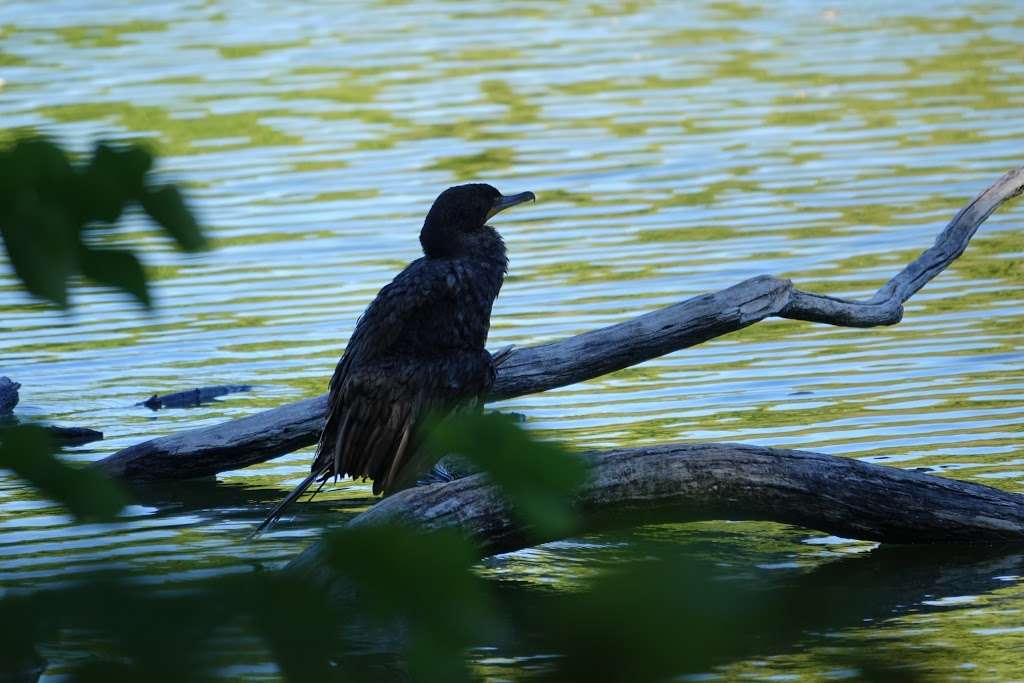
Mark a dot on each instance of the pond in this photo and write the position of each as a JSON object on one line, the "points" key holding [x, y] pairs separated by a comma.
{"points": [[674, 149]]}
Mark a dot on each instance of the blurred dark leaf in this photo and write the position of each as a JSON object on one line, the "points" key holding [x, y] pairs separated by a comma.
{"points": [[671, 614], [34, 174], [38, 162], [163, 634], [167, 207], [19, 637], [44, 272], [644, 621], [117, 268], [87, 494], [423, 579], [47, 203], [539, 477], [435, 659], [127, 166], [157, 635], [102, 192], [174, 635], [106, 671], [295, 619], [113, 177]]}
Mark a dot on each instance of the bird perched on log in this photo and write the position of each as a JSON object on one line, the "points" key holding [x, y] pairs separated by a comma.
{"points": [[417, 350]]}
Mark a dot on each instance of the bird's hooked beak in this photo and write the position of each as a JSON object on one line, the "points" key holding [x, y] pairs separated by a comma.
{"points": [[505, 201]]}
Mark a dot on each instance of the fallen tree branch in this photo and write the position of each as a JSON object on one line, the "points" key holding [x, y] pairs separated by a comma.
{"points": [[694, 482], [256, 438]]}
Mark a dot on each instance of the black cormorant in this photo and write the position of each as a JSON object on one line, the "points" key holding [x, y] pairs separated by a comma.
{"points": [[418, 349]]}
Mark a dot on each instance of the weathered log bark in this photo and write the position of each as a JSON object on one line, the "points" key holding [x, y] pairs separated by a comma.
{"points": [[230, 445], [693, 482], [239, 443]]}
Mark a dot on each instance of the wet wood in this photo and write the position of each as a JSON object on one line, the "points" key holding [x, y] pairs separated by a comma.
{"points": [[232, 445], [197, 453], [192, 397], [694, 482], [68, 436], [74, 436], [8, 395]]}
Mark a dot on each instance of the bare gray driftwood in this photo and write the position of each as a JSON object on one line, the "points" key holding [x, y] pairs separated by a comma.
{"points": [[693, 482], [239, 443]]}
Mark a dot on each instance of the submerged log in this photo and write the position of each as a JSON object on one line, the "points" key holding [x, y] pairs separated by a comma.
{"points": [[192, 397], [74, 436], [696, 482], [68, 436], [256, 438], [8, 395]]}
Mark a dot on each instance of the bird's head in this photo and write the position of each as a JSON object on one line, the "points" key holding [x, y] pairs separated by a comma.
{"points": [[458, 213]]}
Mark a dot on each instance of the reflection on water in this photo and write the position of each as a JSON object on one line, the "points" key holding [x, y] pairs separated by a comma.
{"points": [[713, 142]]}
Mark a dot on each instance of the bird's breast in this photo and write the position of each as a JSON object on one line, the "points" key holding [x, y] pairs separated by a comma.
{"points": [[461, 321]]}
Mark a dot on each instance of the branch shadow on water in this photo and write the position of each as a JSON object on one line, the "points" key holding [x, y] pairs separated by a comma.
{"points": [[234, 502], [676, 611], [676, 615]]}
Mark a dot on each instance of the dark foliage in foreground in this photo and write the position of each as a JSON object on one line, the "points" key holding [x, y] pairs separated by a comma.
{"points": [[51, 209], [412, 606]]}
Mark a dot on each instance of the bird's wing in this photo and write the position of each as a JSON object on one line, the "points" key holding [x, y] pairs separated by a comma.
{"points": [[379, 430], [384, 406], [424, 284], [380, 397]]}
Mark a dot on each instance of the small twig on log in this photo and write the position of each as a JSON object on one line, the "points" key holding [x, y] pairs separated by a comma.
{"points": [[239, 443], [694, 482]]}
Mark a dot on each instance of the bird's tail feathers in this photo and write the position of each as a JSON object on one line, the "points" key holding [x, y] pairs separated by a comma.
{"points": [[278, 510]]}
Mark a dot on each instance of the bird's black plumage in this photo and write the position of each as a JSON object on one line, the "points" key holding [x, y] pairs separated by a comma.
{"points": [[418, 349]]}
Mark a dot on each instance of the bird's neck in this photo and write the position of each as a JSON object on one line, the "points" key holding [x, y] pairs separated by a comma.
{"points": [[483, 245], [439, 240]]}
